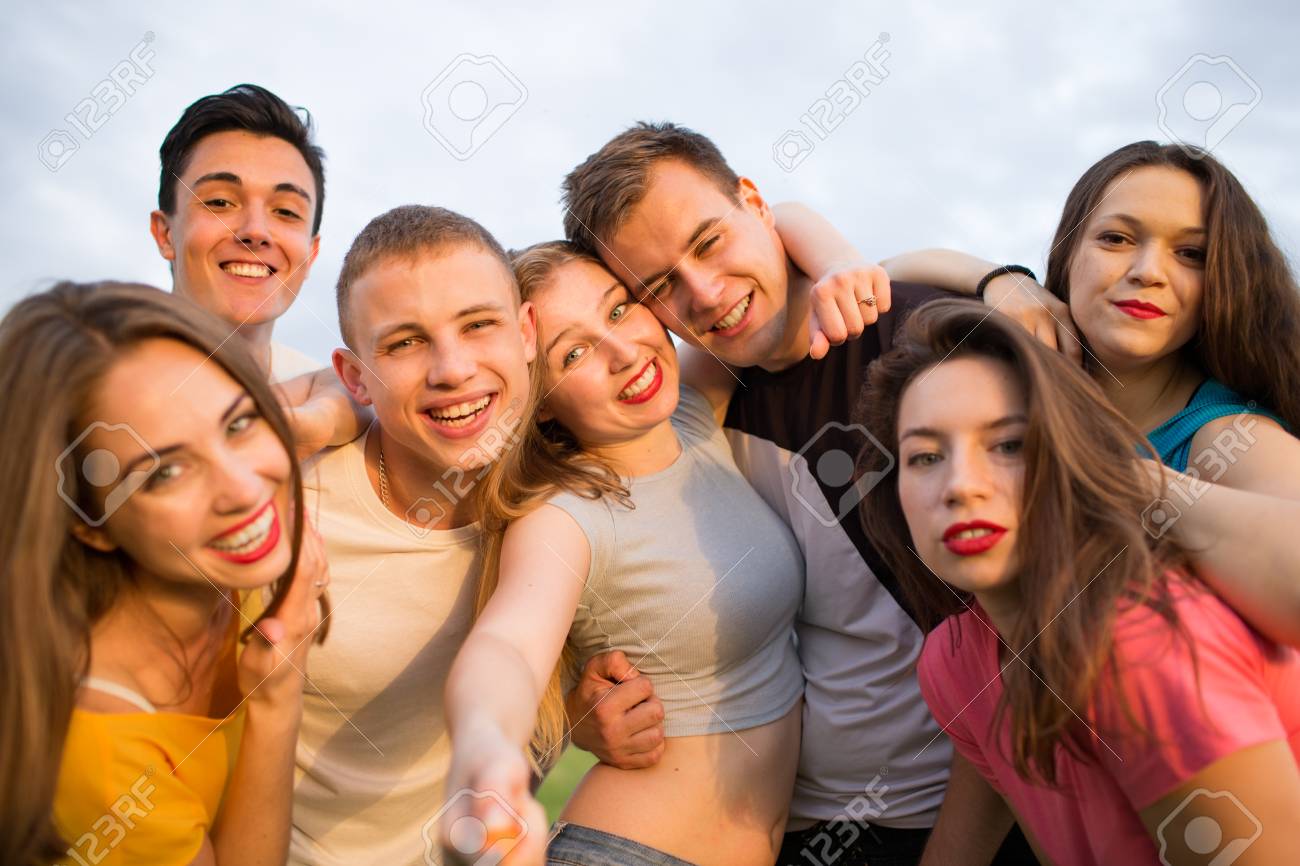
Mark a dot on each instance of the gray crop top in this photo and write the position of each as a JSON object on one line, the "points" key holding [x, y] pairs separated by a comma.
{"points": [[698, 585]]}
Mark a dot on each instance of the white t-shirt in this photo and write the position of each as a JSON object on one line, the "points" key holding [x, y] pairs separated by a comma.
{"points": [[287, 363], [373, 751]]}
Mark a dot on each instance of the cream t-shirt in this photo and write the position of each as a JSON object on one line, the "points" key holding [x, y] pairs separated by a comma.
{"points": [[287, 362], [373, 751]]}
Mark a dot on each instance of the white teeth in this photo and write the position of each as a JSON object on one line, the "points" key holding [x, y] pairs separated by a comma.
{"points": [[972, 533], [244, 269], [732, 319], [460, 414], [641, 383], [250, 537]]}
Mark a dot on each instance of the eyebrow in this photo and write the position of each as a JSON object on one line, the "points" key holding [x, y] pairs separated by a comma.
{"points": [[1134, 222], [703, 226], [938, 434], [158, 453], [604, 299], [231, 177]]}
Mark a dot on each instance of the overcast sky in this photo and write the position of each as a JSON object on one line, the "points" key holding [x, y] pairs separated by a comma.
{"points": [[974, 125]]}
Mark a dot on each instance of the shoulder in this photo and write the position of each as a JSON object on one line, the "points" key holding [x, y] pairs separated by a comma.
{"points": [[955, 653], [111, 770], [287, 362], [1248, 451]]}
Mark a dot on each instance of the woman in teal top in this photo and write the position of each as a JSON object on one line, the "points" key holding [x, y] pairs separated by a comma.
{"points": [[1189, 318]]}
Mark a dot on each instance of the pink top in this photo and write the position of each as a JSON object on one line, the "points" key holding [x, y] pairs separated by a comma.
{"points": [[1251, 686]]}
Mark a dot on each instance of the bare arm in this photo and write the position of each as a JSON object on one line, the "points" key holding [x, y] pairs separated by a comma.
{"points": [[1015, 295], [500, 675], [848, 292], [973, 820], [1237, 510], [253, 829], [1251, 798], [321, 411]]}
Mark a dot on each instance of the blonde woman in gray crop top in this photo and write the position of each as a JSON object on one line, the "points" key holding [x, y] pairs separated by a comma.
{"points": [[695, 579]]}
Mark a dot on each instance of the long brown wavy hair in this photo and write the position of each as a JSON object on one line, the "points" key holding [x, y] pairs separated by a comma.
{"points": [[546, 459], [1249, 334], [1084, 490], [55, 349]]}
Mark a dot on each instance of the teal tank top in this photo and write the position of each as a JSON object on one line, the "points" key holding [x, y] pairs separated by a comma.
{"points": [[1172, 440]]}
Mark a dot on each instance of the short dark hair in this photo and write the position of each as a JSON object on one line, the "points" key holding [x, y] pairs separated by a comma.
{"points": [[404, 233], [600, 193], [247, 107]]}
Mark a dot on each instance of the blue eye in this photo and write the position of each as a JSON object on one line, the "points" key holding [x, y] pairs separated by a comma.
{"points": [[618, 312], [574, 355]]}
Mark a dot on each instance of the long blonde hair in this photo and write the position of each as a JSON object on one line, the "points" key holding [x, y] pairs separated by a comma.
{"points": [[545, 459], [55, 349]]}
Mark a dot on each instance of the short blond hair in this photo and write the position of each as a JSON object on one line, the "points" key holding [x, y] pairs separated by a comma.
{"points": [[404, 233]]}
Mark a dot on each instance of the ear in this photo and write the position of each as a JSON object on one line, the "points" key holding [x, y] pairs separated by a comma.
{"points": [[161, 229], [93, 537], [348, 367], [528, 330], [305, 267], [750, 199]]}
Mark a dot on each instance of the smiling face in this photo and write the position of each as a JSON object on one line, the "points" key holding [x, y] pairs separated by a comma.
{"points": [[442, 351], [240, 241], [1137, 276], [715, 267], [610, 368], [961, 470], [217, 498]]}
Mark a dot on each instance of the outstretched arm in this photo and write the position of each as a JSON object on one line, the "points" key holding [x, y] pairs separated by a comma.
{"points": [[1250, 799], [501, 673]]}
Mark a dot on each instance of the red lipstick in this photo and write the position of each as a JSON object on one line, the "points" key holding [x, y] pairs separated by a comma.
{"points": [[653, 388], [975, 544], [1140, 309]]}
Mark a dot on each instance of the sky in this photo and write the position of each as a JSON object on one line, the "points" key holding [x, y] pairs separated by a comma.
{"points": [[908, 125]]}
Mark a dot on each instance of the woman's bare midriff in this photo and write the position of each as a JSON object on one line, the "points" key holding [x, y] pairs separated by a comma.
{"points": [[715, 800]]}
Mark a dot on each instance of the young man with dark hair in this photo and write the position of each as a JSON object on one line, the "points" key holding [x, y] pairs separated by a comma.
{"points": [[659, 204], [240, 200]]}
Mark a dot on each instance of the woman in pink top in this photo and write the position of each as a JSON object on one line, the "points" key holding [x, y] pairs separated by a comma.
{"points": [[1112, 704]]}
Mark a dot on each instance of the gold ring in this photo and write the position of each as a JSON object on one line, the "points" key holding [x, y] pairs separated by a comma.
{"points": [[869, 300]]}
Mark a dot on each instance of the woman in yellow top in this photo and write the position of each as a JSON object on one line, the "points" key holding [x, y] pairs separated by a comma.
{"points": [[148, 481]]}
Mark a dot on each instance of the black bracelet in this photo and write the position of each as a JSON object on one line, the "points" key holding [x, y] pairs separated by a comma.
{"points": [[997, 272]]}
